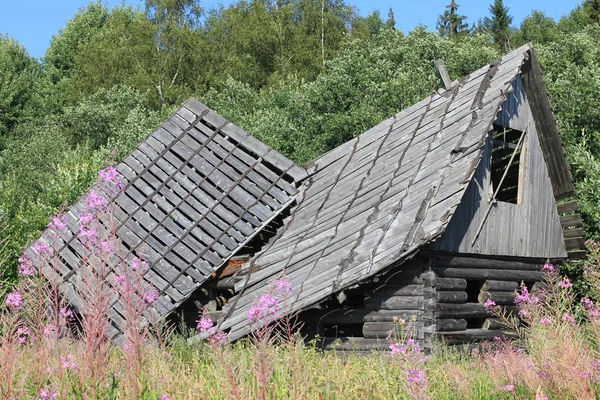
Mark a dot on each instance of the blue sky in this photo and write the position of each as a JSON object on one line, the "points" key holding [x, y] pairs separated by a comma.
{"points": [[33, 22]]}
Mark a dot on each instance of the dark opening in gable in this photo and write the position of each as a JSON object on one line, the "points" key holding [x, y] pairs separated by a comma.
{"points": [[506, 170]]}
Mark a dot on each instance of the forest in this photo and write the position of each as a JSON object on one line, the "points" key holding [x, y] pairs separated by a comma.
{"points": [[301, 75]]}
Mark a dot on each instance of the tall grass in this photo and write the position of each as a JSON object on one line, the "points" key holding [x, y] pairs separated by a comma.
{"points": [[49, 352]]}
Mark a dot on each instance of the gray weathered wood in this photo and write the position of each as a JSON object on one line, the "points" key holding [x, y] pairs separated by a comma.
{"points": [[451, 324], [499, 286], [451, 297]]}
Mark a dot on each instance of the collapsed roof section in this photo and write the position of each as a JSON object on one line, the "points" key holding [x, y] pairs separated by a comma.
{"points": [[195, 192], [373, 202]]}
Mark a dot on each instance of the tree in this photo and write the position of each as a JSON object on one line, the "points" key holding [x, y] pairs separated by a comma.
{"points": [[451, 24], [391, 22], [498, 26], [538, 28], [18, 74]]}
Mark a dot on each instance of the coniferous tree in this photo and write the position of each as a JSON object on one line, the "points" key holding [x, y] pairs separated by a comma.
{"points": [[451, 24], [498, 26], [391, 22]]}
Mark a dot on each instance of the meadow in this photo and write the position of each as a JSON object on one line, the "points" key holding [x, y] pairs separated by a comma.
{"points": [[50, 351]]}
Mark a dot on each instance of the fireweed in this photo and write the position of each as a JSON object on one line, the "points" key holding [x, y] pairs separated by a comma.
{"points": [[553, 353], [406, 355]]}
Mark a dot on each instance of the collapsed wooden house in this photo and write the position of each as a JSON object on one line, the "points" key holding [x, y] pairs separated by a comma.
{"points": [[458, 199]]}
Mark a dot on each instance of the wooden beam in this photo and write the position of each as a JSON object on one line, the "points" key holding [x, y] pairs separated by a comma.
{"points": [[451, 324], [569, 206], [441, 69], [571, 220], [545, 124], [499, 286]]}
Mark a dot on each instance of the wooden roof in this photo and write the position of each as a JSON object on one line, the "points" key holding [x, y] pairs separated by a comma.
{"points": [[374, 201], [195, 192]]}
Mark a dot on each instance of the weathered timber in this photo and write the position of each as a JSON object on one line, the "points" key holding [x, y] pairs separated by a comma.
{"points": [[573, 233], [568, 206], [394, 302], [499, 286], [469, 310], [450, 283], [577, 255], [575, 243], [571, 220], [451, 324], [493, 324], [484, 274], [451, 297], [500, 298], [473, 335], [382, 330], [484, 263], [541, 109], [408, 290], [354, 344]]}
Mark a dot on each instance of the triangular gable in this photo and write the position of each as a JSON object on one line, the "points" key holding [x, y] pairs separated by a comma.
{"points": [[195, 192], [374, 201]]}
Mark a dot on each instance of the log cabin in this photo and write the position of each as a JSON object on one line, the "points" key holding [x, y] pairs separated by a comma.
{"points": [[458, 199]]}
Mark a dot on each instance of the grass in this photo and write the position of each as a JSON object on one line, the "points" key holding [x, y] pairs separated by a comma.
{"points": [[46, 352]]}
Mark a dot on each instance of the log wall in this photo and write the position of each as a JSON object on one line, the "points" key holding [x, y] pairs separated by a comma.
{"points": [[439, 296]]}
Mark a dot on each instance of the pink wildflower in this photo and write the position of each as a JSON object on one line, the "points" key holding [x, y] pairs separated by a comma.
{"points": [[89, 234], [25, 266], [546, 321], [565, 283], [41, 248], [267, 305], [107, 247], [508, 388], [121, 281], [205, 324], [524, 298], [219, 338], [111, 178], [283, 286], [66, 314], [48, 395], [395, 349], [86, 218], [58, 223], [490, 306], [165, 397], [585, 375], [137, 264], [14, 300], [68, 363], [95, 201], [416, 376], [569, 319], [150, 296], [549, 268], [22, 335]]}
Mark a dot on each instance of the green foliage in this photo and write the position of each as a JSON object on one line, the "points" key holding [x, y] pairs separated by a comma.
{"points": [[538, 28], [451, 24], [368, 82], [18, 74], [498, 25]]}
